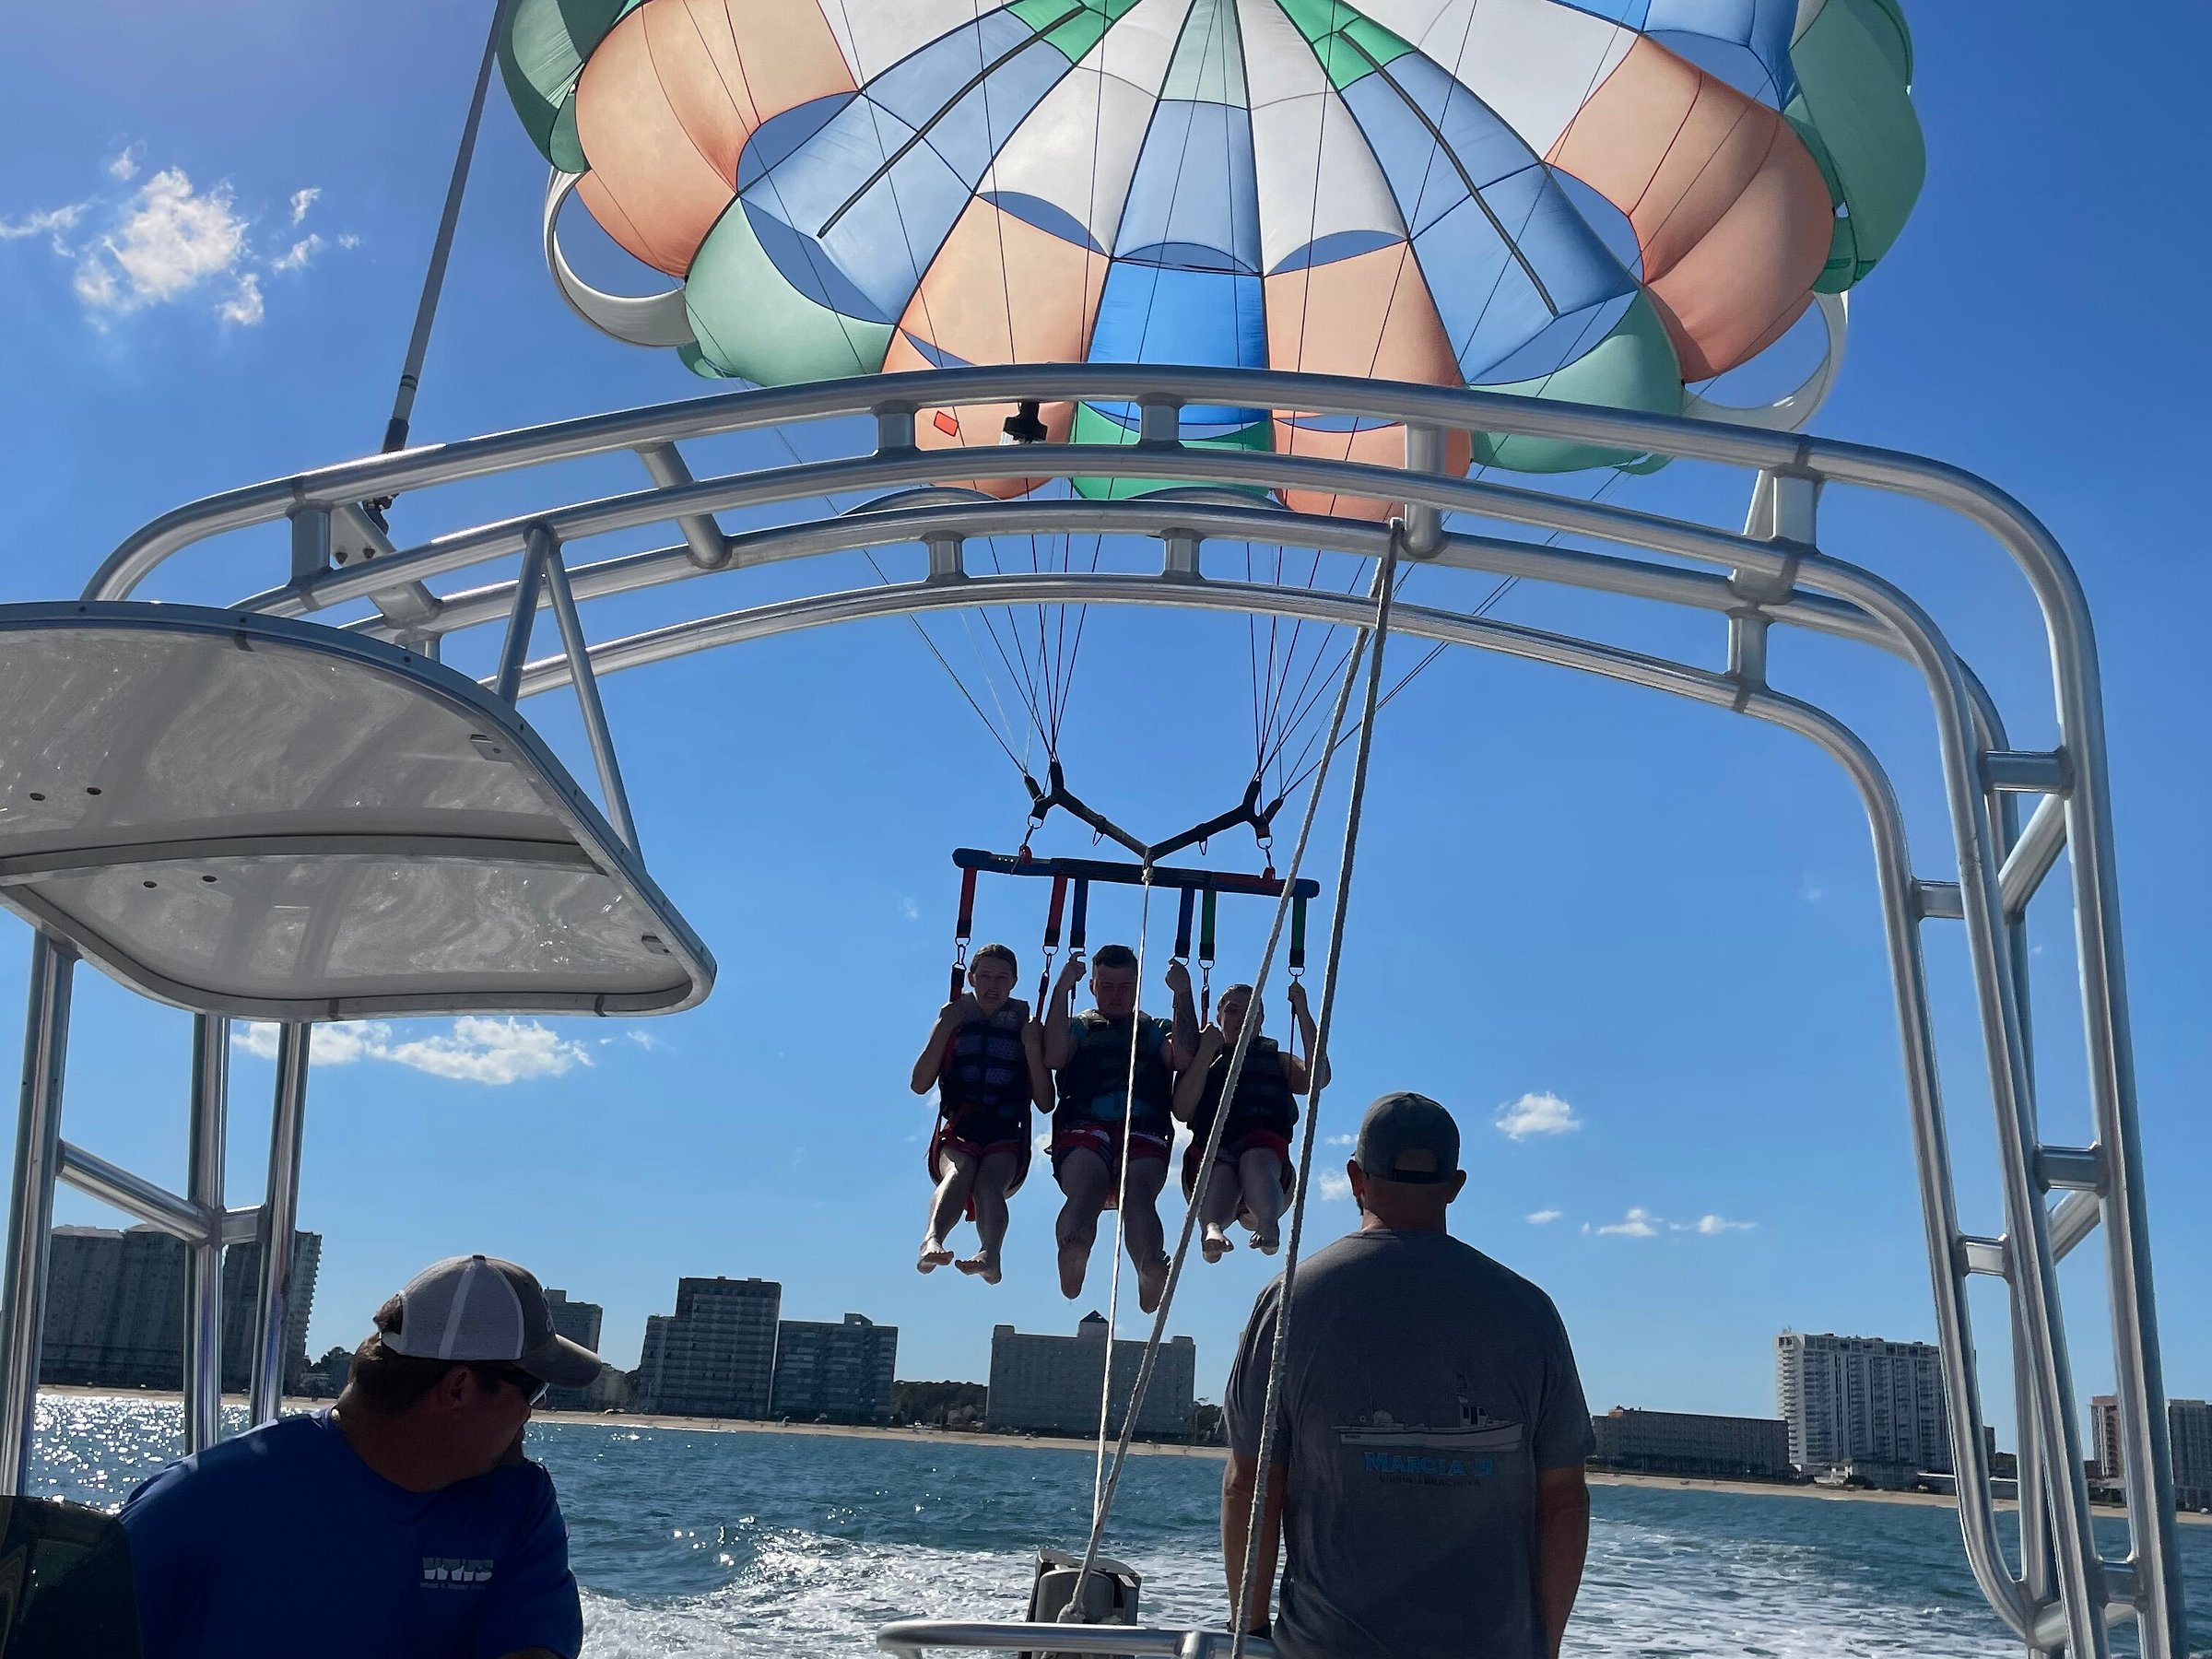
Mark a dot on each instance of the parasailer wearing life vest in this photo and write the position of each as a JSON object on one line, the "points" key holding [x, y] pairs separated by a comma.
{"points": [[985, 1059], [1251, 1175], [1090, 1055]]}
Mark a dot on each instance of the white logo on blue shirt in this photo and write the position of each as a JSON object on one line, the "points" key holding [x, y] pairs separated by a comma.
{"points": [[443, 1571]]}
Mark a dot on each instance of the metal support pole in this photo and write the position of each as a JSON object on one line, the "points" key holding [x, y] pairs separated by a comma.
{"points": [[554, 573], [204, 1186], [279, 1220], [1425, 454], [31, 1203], [434, 278], [514, 650]]}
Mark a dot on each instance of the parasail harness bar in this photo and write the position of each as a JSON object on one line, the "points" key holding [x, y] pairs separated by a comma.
{"points": [[1246, 811]]}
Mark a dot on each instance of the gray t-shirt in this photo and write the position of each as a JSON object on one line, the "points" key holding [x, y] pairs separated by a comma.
{"points": [[1424, 1387]]}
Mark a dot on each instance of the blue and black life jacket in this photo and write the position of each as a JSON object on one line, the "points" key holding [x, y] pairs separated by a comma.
{"points": [[1094, 1085], [1264, 1098], [985, 1078]]}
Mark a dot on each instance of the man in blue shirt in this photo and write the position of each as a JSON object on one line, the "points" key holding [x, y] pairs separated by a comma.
{"points": [[404, 1520]]}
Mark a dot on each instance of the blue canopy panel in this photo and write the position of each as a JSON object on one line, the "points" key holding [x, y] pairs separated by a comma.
{"points": [[1185, 284], [1522, 283], [1743, 43], [851, 204]]}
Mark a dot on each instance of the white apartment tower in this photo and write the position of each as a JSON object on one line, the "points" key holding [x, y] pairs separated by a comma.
{"points": [[1862, 1400]]}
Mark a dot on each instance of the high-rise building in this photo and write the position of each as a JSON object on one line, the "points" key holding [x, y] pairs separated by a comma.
{"points": [[1051, 1383], [2189, 1423], [2104, 1436], [115, 1309], [1679, 1443], [579, 1322], [2188, 1428], [242, 1294], [839, 1371], [1861, 1402], [716, 1355]]}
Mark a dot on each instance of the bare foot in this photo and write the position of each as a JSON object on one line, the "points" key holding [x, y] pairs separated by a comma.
{"points": [[1151, 1284], [934, 1257], [1074, 1260], [1215, 1243], [982, 1265]]}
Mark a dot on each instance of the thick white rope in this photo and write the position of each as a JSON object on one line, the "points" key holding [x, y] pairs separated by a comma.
{"points": [[1102, 1502], [1280, 1357]]}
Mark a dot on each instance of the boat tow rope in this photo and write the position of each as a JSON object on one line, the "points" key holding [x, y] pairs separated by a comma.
{"points": [[1102, 1502], [1238, 1619]]}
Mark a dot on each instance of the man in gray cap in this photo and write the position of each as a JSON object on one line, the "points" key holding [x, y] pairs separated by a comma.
{"points": [[1425, 1476], [402, 1520]]}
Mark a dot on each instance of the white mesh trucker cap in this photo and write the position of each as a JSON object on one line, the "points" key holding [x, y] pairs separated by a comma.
{"points": [[481, 1307]]}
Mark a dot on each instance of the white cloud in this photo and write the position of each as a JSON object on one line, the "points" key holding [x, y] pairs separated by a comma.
{"points": [[1711, 1225], [295, 257], [1341, 1140], [170, 241], [909, 910], [1334, 1187], [1636, 1224], [349, 241], [245, 307], [302, 200], [1810, 888], [1536, 1115], [476, 1050], [1543, 1217], [645, 1040], [124, 164], [259, 1039], [54, 223]]}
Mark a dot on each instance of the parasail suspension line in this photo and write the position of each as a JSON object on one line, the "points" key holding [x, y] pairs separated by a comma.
{"points": [[1319, 1077], [1051, 939], [962, 930], [1284, 905], [434, 278], [1206, 957]]}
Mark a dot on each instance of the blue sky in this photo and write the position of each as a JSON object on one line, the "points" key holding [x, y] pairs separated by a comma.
{"points": [[1654, 922]]}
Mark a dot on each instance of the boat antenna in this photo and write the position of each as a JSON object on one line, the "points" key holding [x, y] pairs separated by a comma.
{"points": [[434, 278]]}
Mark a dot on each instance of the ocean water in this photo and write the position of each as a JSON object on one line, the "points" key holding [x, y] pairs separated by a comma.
{"points": [[694, 1544]]}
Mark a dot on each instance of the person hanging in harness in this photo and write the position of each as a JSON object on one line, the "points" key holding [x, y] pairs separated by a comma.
{"points": [[1251, 1179], [984, 1058], [1090, 1054]]}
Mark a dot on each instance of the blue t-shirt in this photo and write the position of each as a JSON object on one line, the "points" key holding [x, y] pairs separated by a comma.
{"points": [[283, 1541]]}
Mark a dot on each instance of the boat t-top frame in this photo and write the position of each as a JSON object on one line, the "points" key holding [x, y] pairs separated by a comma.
{"points": [[250, 864]]}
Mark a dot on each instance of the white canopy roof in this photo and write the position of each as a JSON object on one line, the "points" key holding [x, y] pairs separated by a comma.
{"points": [[247, 816]]}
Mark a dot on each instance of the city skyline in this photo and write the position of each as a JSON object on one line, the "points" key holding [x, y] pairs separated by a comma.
{"points": [[1871, 1405]]}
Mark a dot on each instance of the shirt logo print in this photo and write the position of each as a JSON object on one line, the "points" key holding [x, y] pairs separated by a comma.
{"points": [[442, 1571]]}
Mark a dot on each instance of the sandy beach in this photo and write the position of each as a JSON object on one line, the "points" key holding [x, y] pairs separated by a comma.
{"points": [[956, 1437]]}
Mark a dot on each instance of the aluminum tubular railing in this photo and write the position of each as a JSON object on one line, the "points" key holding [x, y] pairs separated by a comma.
{"points": [[911, 1638], [2064, 1594]]}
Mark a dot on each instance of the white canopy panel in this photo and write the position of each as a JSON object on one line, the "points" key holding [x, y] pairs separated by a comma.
{"points": [[267, 818]]}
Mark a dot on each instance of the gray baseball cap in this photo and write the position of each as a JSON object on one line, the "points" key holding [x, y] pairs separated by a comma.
{"points": [[478, 1307], [1407, 1136]]}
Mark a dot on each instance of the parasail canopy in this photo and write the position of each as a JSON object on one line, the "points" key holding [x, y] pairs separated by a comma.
{"points": [[1600, 202]]}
